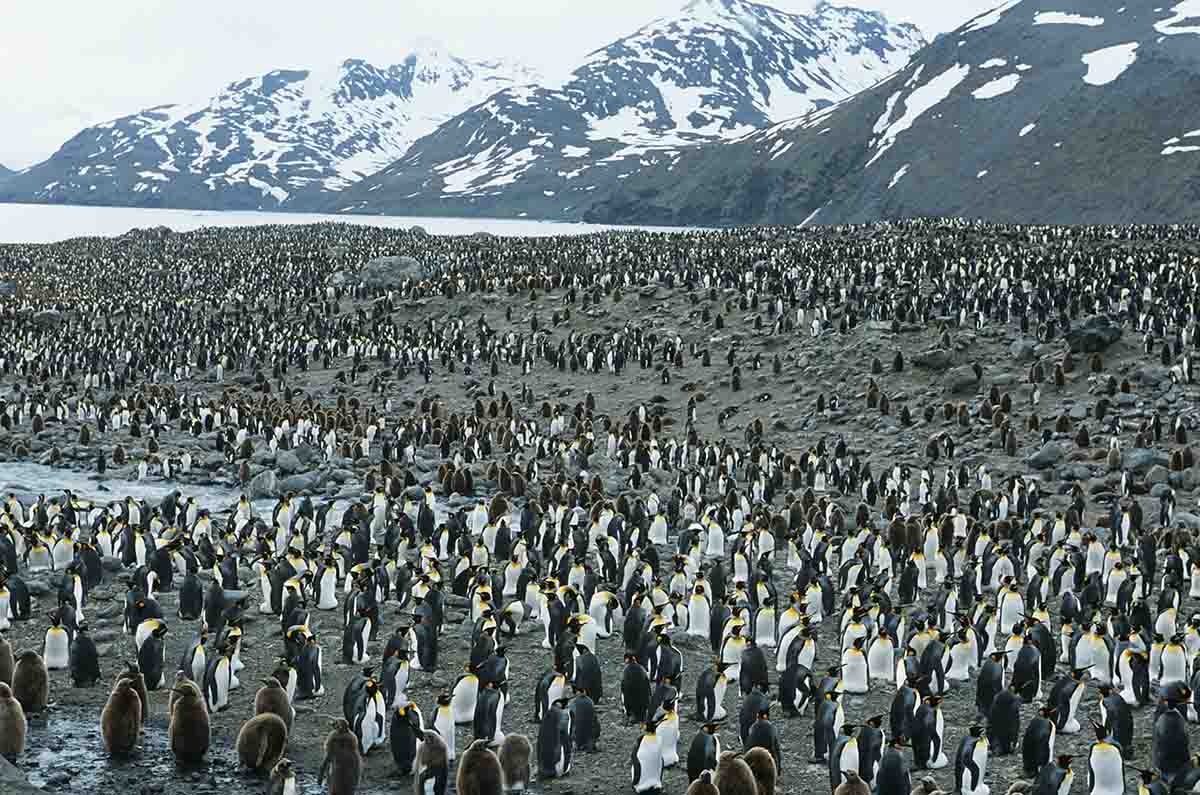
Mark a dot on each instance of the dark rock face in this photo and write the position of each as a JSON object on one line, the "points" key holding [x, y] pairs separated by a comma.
{"points": [[988, 121], [1094, 335], [1049, 455]]}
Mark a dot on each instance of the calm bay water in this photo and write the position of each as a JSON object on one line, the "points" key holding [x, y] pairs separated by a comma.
{"points": [[49, 223]]}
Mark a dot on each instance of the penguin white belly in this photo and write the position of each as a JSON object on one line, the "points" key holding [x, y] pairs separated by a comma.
{"points": [[764, 630], [647, 774], [64, 553], [39, 559], [941, 760], [328, 585], [1174, 667], [199, 664], [1071, 724], [959, 669], [264, 583], [373, 733], [880, 659], [498, 737], [785, 643], [698, 617], [56, 654], [854, 672], [462, 701], [719, 689], [5, 610], [980, 758], [444, 723], [1107, 770], [668, 738]]}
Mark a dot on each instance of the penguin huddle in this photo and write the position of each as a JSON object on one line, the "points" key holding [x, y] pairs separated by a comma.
{"points": [[739, 568]]}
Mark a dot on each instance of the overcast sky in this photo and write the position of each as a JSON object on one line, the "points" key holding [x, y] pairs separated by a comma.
{"points": [[67, 66]]}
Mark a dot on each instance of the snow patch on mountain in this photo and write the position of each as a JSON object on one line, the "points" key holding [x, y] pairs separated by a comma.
{"points": [[997, 88], [1107, 64], [1059, 18], [917, 103], [1189, 9]]}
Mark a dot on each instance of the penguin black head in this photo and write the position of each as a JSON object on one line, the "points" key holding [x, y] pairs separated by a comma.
{"points": [[977, 730]]}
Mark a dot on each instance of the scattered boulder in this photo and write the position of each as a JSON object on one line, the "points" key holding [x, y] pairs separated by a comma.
{"points": [[961, 380], [8, 288], [1157, 474], [1050, 454], [288, 462], [937, 359], [1140, 460], [48, 318], [1094, 335], [1023, 349], [389, 273], [264, 485]]}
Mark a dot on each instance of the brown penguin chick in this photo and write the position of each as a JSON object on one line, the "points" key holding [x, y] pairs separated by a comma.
{"points": [[138, 682], [762, 765], [31, 682], [173, 693], [121, 719], [479, 771], [1176, 460], [734, 776], [1114, 459], [262, 742], [342, 764], [1082, 438], [703, 785], [7, 663], [1010, 443], [1033, 423], [12, 723], [926, 786], [273, 697], [515, 752], [854, 785], [283, 779], [189, 730], [432, 763], [1096, 363]]}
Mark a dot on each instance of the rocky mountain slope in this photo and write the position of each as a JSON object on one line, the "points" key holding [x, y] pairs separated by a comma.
{"points": [[267, 141], [719, 70], [1074, 111]]}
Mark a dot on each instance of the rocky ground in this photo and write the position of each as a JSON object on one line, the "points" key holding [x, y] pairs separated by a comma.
{"points": [[64, 752]]}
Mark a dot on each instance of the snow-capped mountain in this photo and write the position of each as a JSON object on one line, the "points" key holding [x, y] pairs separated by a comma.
{"points": [[1046, 111], [719, 70], [266, 141]]}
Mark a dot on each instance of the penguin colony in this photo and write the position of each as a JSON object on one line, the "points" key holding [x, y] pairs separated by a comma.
{"points": [[498, 567]]}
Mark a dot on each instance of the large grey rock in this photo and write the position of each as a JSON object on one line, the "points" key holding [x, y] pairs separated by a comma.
{"points": [[1140, 460], [1094, 335], [1050, 454], [1157, 474], [48, 318], [8, 288], [264, 485], [388, 273], [936, 359], [1023, 349], [288, 462], [302, 484], [961, 380], [1189, 520]]}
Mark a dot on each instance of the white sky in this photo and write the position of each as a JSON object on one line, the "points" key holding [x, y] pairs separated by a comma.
{"points": [[69, 65]]}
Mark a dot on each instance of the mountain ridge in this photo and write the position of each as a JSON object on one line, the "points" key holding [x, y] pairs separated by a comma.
{"points": [[1078, 114], [265, 139], [718, 71]]}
